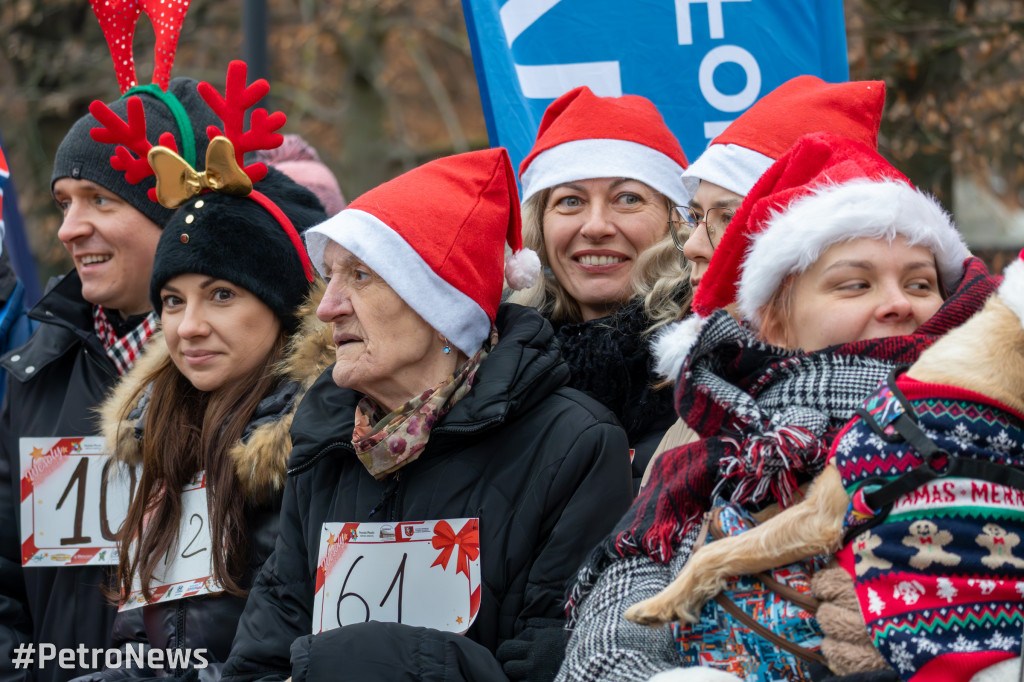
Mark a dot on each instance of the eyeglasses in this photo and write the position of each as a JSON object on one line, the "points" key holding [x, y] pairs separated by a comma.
{"points": [[715, 219]]}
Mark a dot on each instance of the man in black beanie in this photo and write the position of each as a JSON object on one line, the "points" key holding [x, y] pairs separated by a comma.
{"points": [[93, 324]]}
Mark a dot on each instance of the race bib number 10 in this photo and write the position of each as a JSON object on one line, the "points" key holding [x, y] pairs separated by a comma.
{"points": [[423, 573], [73, 501]]}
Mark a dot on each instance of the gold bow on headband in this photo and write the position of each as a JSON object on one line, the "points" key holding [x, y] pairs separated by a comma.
{"points": [[177, 182]]}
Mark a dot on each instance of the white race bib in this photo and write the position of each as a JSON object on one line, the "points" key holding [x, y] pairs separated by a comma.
{"points": [[423, 573], [187, 570], [73, 501]]}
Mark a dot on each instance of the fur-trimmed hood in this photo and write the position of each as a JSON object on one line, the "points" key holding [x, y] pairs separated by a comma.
{"points": [[261, 459]]}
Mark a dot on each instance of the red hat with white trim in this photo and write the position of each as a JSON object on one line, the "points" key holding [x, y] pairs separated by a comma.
{"points": [[437, 236], [762, 134], [825, 190], [584, 136]]}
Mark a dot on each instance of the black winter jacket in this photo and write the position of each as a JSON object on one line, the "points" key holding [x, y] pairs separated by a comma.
{"points": [[54, 382], [260, 457], [542, 466]]}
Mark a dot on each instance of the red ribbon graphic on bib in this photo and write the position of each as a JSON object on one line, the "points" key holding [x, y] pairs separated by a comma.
{"points": [[467, 540]]}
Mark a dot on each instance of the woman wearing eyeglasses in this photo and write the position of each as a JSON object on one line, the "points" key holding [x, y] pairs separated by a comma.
{"points": [[599, 188]]}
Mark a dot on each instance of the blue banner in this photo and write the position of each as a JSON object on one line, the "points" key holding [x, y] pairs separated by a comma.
{"points": [[702, 62]]}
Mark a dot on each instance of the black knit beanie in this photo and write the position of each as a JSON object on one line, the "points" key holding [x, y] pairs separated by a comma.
{"points": [[236, 239], [179, 109]]}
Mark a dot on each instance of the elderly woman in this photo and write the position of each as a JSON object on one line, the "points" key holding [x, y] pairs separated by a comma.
{"points": [[598, 191], [450, 407]]}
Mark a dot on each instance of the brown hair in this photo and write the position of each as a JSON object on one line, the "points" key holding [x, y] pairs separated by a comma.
{"points": [[188, 431]]}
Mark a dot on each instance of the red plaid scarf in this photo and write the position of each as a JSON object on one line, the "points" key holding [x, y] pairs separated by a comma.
{"points": [[123, 350], [684, 480]]}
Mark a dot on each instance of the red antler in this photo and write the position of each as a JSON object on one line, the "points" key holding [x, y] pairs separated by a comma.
{"points": [[231, 109], [166, 17], [118, 19], [130, 136]]}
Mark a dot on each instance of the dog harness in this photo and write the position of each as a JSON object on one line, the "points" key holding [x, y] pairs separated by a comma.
{"points": [[935, 527]]}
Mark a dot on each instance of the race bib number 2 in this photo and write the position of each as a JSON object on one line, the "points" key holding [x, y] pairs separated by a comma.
{"points": [[423, 573], [187, 569], [73, 501]]}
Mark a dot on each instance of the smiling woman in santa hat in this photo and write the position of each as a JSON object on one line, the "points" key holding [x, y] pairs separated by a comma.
{"points": [[443, 406], [598, 190], [840, 270]]}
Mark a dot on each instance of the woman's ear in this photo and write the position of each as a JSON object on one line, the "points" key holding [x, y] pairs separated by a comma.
{"points": [[773, 327]]}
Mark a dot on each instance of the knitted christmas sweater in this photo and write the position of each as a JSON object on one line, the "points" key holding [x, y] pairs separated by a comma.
{"points": [[941, 580]]}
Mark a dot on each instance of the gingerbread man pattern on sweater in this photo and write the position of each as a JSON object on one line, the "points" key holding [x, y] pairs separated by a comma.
{"points": [[941, 580]]}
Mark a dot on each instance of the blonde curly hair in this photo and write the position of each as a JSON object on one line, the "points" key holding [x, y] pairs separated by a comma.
{"points": [[660, 275]]}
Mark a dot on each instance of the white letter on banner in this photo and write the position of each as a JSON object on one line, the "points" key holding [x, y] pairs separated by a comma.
{"points": [[519, 15], [548, 81], [684, 28], [718, 56], [552, 80]]}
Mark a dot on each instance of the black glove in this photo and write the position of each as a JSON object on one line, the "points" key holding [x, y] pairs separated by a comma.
{"points": [[536, 654]]}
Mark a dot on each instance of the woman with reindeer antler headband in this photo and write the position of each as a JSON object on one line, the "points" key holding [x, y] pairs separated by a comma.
{"points": [[94, 323], [207, 408]]}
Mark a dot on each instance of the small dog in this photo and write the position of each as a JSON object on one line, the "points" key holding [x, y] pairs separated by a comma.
{"points": [[985, 355]]}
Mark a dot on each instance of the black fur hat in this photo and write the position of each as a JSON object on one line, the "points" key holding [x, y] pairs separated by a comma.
{"points": [[236, 239], [180, 111]]}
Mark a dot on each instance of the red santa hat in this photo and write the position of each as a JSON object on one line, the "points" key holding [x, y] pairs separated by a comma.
{"points": [[584, 136], [437, 236], [826, 189], [800, 106]]}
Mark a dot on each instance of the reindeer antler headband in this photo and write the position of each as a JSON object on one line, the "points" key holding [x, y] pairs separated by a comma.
{"points": [[176, 180]]}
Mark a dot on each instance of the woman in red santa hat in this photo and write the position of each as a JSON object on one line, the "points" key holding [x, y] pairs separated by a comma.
{"points": [[719, 179], [446, 416], [840, 271], [598, 190]]}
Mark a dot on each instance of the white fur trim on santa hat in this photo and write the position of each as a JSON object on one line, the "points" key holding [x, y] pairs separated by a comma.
{"points": [[731, 166], [671, 346], [797, 236], [1011, 291], [1004, 671], [585, 159], [445, 308]]}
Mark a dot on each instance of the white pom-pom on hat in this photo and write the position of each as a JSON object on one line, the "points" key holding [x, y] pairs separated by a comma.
{"points": [[672, 346], [522, 269]]}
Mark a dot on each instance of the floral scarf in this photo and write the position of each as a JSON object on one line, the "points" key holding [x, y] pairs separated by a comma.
{"points": [[386, 442]]}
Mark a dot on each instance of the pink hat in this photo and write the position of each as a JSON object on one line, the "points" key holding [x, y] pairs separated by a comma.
{"points": [[584, 136], [800, 106], [826, 189], [437, 236]]}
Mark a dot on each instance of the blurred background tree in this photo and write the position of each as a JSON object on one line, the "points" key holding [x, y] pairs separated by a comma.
{"points": [[379, 86]]}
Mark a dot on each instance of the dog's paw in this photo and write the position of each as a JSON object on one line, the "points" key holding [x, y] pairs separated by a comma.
{"points": [[659, 610]]}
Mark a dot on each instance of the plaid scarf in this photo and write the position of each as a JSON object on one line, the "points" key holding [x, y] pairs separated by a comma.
{"points": [[767, 417], [123, 350]]}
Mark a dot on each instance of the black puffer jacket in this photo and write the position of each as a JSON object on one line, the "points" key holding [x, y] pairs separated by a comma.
{"points": [[541, 465], [260, 457], [54, 383]]}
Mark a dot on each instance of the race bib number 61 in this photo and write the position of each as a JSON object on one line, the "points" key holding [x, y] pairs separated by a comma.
{"points": [[423, 573]]}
